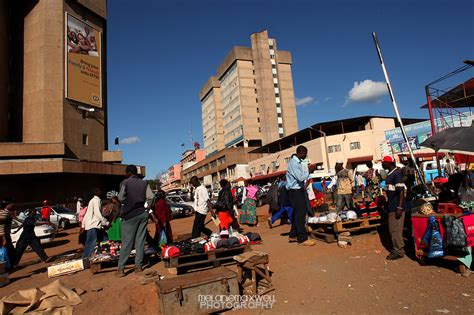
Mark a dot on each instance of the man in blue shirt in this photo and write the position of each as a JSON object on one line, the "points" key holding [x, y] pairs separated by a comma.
{"points": [[296, 177]]}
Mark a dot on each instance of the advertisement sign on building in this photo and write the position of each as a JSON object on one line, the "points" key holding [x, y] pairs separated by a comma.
{"points": [[83, 62]]}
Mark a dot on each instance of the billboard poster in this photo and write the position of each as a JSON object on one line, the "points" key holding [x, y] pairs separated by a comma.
{"points": [[419, 132], [83, 62]]}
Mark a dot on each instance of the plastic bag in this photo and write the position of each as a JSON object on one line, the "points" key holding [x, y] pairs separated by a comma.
{"points": [[433, 239], [4, 257], [163, 238]]}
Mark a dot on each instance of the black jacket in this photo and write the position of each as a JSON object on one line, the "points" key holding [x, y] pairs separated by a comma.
{"points": [[225, 201]]}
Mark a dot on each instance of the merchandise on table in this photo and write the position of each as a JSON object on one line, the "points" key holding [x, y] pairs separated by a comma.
{"points": [[106, 250]]}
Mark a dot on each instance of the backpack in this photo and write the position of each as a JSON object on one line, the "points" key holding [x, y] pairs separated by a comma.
{"points": [[272, 197], [433, 239]]}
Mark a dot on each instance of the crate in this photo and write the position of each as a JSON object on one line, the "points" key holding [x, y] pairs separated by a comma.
{"points": [[212, 259], [194, 293], [329, 231]]}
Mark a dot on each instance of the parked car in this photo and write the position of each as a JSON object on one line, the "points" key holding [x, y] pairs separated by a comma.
{"points": [[61, 217], [430, 170], [45, 232], [180, 199], [180, 210]]}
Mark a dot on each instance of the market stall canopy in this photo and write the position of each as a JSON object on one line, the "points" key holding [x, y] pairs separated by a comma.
{"points": [[462, 95], [452, 140]]}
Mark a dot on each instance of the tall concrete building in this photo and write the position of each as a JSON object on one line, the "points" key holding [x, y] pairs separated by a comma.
{"points": [[53, 100], [251, 100]]}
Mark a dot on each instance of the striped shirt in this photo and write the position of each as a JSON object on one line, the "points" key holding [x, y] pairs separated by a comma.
{"points": [[5, 222]]}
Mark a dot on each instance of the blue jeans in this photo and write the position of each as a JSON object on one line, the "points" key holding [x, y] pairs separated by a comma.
{"points": [[277, 215], [93, 236]]}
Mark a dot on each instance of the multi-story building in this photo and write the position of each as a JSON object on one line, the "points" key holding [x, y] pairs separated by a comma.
{"points": [[53, 101], [251, 100], [354, 141]]}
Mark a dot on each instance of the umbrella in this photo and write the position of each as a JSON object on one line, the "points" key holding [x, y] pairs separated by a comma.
{"points": [[453, 140]]}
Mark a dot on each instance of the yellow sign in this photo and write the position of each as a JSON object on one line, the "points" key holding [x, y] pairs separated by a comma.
{"points": [[83, 62]]}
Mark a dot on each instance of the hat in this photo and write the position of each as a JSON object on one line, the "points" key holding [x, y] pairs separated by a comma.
{"points": [[224, 234], [253, 237], [171, 252], [234, 241], [388, 159], [222, 243]]}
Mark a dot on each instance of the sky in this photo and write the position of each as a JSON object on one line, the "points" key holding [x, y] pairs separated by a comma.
{"points": [[160, 54]]}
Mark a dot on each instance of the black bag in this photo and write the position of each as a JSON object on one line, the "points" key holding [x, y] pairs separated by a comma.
{"points": [[82, 237], [456, 238], [272, 197]]}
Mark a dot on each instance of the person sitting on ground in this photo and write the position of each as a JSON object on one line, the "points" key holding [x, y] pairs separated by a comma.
{"points": [[29, 238]]}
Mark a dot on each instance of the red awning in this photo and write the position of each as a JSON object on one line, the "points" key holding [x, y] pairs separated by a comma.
{"points": [[271, 175], [366, 158]]}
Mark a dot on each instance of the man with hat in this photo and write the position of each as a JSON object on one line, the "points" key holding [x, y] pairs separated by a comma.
{"points": [[134, 192], [395, 190]]}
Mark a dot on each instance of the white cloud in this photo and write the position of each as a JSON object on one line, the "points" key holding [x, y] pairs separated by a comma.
{"points": [[327, 99], [305, 101], [366, 91], [130, 140]]}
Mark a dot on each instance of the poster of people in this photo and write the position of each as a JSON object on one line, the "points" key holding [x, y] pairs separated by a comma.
{"points": [[83, 62]]}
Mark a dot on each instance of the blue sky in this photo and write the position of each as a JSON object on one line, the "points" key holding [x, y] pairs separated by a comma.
{"points": [[160, 53]]}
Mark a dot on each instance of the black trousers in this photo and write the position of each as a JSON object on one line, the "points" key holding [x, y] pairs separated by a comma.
{"points": [[298, 200], [34, 242], [199, 226]]}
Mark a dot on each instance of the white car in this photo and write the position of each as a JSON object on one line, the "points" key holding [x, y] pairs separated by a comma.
{"points": [[177, 199], [61, 217], [45, 232]]}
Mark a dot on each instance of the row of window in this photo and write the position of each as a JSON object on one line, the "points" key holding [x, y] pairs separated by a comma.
{"points": [[337, 148]]}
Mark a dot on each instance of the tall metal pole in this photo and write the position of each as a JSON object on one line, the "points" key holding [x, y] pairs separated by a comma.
{"points": [[395, 107], [325, 146]]}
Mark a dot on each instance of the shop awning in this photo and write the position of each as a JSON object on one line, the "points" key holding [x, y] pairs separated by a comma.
{"points": [[271, 175], [366, 158]]}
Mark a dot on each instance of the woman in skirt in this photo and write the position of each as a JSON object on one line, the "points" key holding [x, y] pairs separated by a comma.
{"points": [[249, 208]]}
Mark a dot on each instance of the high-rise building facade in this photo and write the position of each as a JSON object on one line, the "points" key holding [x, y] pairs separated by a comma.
{"points": [[251, 100]]}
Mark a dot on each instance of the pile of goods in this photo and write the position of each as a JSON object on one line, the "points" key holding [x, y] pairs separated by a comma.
{"points": [[224, 240], [107, 250], [370, 210]]}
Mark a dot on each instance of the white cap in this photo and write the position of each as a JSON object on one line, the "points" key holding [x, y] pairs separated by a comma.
{"points": [[339, 162]]}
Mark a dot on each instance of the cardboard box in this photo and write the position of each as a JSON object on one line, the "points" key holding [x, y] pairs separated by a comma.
{"points": [[64, 268]]}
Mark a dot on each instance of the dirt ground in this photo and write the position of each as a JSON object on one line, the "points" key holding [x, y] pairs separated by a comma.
{"points": [[323, 279]]}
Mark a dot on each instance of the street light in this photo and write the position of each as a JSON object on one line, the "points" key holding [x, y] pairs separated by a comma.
{"points": [[325, 145]]}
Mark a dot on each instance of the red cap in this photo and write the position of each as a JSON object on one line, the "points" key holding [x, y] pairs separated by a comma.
{"points": [[388, 159], [171, 252]]}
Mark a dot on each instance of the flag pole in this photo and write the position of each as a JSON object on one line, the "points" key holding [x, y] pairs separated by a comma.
{"points": [[397, 113]]}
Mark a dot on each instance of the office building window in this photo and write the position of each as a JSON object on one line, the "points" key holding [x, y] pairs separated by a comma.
{"points": [[275, 85], [274, 66], [262, 167], [277, 94], [280, 125], [355, 145], [259, 129], [279, 114], [287, 159], [256, 100], [254, 81], [334, 148], [255, 91], [272, 56], [253, 72], [271, 47], [258, 111], [274, 75], [85, 139], [252, 170], [258, 119]]}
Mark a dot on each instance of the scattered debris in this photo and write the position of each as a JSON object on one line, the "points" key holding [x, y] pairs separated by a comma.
{"points": [[96, 289], [323, 270], [405, 307], [466, 295], [79, 291], [377, 251], [444, 311]]}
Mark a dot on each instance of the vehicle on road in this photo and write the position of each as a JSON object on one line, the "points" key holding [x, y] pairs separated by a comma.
{"points": [[45, 232], [180, 210], [180, 199], [60, 216]]}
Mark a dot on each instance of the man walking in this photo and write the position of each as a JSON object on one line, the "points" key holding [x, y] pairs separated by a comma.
{"points": [[395, 207], [201, 205], [45, 211], [134, 192], [297, 174], [345, 182]]}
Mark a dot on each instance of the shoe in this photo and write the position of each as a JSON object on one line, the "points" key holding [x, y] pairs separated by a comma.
{"points": [[308, 242], [120, 273], [292, 239], [394, 256], [138, 270], [269, 222]]}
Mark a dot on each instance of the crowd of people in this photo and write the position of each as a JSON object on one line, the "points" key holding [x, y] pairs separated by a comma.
{"points": [[292, 199]]}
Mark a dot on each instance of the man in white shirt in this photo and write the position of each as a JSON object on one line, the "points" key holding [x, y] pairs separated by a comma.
{"points": [[201, 205], [92, 223]]}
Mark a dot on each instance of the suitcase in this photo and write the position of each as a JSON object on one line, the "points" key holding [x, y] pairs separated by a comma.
{"points": [[193, 293]]}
